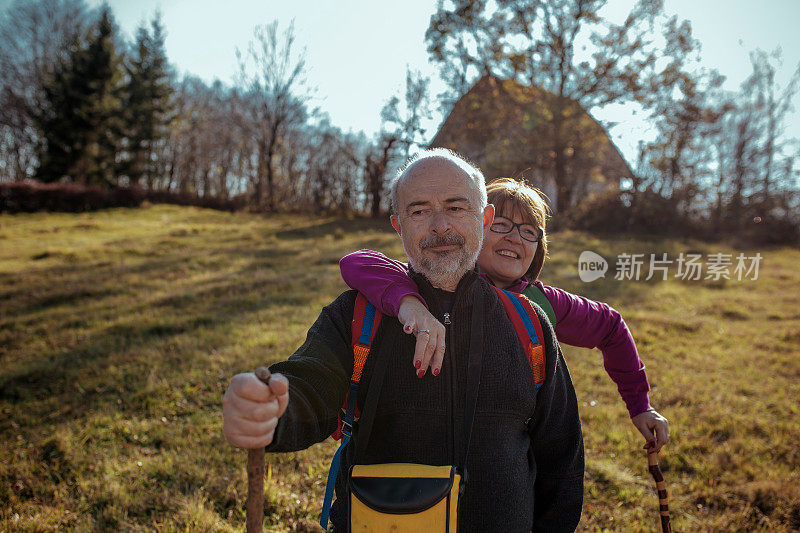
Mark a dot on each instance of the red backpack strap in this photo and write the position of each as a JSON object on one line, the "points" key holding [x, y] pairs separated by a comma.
{"points": [[529, 330], [366, 319]]}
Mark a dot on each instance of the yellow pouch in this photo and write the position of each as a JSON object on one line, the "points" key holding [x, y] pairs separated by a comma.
{"points": [[403, 497]]}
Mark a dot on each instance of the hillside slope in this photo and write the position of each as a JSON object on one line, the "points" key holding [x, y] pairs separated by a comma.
{"points": [[120, 329]]}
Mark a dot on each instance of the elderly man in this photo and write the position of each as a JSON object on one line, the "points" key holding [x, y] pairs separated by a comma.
{"points": [[524, 460]]}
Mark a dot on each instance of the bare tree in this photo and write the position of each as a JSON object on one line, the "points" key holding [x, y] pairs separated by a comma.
{"points": [[536, 43], [404, 118], [276, 94], [206, 151], [724, 157], [327, 177], [681, 155], [773, 103], [401, 130]]}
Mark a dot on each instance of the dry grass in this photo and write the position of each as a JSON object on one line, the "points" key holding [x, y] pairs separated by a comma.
{"points": [[119, 331]]}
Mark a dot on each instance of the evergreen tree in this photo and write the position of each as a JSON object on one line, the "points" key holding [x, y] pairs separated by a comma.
{"points": [[80, 131], [35, 36], [149, 106]]}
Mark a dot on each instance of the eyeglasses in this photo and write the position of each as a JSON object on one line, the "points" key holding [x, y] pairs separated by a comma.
{"points": [[528, 232]]}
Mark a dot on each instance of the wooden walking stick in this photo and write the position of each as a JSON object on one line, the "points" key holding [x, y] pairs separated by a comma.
{"points": [[661, 488], [255, 476]]}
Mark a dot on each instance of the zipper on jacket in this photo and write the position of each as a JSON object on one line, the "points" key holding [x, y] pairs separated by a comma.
{"points": [[451, 372]]}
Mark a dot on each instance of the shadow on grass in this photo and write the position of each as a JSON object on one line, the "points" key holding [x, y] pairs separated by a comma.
{"points": [[52, 384], [73, 285], [339, 227]]}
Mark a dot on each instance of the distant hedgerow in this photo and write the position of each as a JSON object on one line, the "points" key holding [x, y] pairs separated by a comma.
{"points": [[31, 196], [649, 213]]}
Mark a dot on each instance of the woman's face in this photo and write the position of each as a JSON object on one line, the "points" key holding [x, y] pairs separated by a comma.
{"points": [[506, 257]]}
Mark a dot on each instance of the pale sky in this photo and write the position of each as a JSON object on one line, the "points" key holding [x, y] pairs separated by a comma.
{"points": [[357, 50]]}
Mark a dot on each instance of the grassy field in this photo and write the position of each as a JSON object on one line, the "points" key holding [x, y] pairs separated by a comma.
{"points": [[120, 329]]}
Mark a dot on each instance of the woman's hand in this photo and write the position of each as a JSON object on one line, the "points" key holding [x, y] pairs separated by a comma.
{"points": [[654, 428], [416, 319]]}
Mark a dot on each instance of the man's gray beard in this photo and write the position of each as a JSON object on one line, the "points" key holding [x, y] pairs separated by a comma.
{"points": [[445, 271]]}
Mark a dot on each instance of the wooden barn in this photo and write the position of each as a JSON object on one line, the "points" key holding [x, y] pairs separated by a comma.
{"points": [[507, 130]]}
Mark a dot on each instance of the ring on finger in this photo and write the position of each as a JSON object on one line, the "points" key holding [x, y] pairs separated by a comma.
{"points": [[425, 331]]}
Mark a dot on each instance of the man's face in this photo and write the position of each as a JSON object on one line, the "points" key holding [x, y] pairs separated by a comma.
{"points": [[440, 221]]}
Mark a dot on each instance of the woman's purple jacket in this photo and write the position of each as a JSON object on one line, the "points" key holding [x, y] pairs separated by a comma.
{"points": [[579, 321]]}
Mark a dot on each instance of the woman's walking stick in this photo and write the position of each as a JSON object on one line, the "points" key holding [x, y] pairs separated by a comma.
{"points": [[255, 476], [661, 487]]}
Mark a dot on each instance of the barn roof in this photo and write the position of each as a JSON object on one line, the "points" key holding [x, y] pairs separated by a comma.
{"points": [[503, 127]]}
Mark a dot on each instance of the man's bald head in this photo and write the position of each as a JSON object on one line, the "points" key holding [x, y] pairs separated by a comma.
{"points": [[473, 172]]}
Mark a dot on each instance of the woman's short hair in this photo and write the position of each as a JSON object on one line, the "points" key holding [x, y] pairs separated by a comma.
{"points": [[508, 194]]}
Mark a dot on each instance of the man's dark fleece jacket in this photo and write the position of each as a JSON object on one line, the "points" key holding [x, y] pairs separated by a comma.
{"points": [[525, 460]]}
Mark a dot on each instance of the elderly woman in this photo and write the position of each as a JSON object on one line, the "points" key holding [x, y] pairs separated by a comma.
{"points": [[513, 254]]}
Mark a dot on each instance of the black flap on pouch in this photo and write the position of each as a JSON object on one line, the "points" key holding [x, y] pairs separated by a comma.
{"points": [[397, 495]]}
